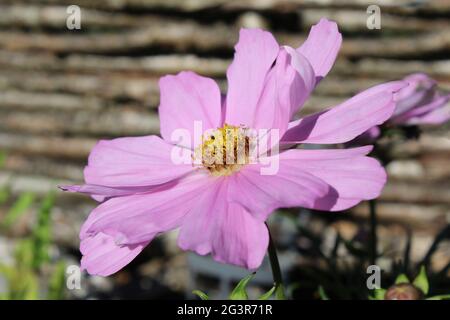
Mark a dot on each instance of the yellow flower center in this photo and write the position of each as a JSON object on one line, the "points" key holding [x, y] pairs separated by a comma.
{"points": [[224, 150]]}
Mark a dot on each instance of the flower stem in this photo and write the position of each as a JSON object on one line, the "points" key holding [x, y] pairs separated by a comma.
{"points": [[373, 231], [276, 271]]}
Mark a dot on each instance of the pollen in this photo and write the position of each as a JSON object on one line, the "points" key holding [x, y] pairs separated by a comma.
{"points": [[224, 150]]}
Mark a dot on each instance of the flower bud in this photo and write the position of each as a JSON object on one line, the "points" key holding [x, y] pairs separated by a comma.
{"points": [[403, 291]]}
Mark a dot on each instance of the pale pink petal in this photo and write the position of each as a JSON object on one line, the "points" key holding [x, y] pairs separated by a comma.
{"points": [[322, 46], [434, 112], [351, 175], [133, 162], [420, 91], [283, 92], [289, 187], [417, 82], [103, 257], [435, 117], [200, 225], [348, 120], [241, 239], [226, 230], [280, 93], [101, 193], [187, 98], [138, 218], [254, 55], [307, 79]]}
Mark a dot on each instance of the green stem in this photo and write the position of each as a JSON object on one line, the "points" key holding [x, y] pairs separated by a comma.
{"points": [[276, 271], [373, 231]]}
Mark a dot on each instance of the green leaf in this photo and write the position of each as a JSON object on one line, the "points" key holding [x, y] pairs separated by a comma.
{"points": [[57, 285], [421, 281], [21, 205], [401, 278], [201, 294], [6, 271], [378, 294], [268, 294], [2, 158], [279, 292], [42, 231], [4, 194], [322, 294], [239, 293], [440, 297], [30, 289], [24, 254], [23, 284]]}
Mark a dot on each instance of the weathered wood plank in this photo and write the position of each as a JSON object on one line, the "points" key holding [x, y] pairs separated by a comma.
{"points": [[173, 63], [52, 146], [39, 91], [102, 123], [55, 16], [405, 6], [182, 36], [148, 65], [17, 163], [419, 217]]}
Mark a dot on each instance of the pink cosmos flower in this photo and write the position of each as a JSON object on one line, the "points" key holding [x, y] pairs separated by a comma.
{"points": [[420, 103], [221, 210]]}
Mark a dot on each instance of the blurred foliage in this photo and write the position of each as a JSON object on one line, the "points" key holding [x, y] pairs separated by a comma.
{"points": [[420, 283], [57, 284], [340, 272], [4, 194], [31, 254], [322, 294], [20, 206], [2, 158], [336, 276], [240, 291]]}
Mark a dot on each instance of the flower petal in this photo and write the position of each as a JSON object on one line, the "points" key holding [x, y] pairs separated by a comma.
{"points": [[186, 98], [307, 78], [254, 55], [420, 91], [133, 162], [278, 96], [103, 257], [137, 218], [434, 112], [262, 194], [241, 239], [101, 193], [351, 175], [437, 116], [284, 92], [322, 46], [346, 121], [226, 230]]}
